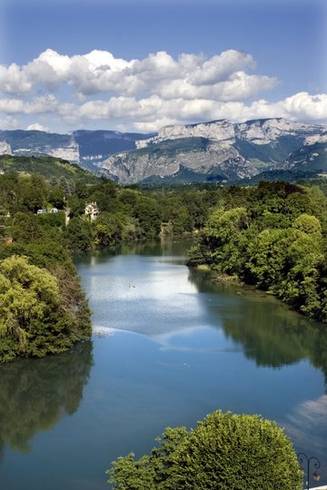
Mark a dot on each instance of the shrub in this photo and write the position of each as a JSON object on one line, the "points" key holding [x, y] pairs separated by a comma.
{"points": [[225, 451]]}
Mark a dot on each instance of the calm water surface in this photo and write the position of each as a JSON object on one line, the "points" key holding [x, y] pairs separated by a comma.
{"points": [[168, 348]]}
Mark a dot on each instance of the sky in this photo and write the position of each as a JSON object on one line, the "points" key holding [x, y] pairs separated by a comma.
{"points": [[140, 65]]}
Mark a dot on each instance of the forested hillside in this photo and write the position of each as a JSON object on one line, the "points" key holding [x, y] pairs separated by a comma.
{"points": [[47, 166]]}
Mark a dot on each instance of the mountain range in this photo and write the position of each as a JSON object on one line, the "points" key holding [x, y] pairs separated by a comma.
{"points": [[219, 151]]}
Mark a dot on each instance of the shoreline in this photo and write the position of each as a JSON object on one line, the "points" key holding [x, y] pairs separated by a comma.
{"points": [[241, 288]]}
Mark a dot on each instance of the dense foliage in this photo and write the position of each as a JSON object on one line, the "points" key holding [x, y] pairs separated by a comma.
{"points": [[34, 318], [134, 214], [42, 307], [124, 213], [242, 452], [272, 236]]}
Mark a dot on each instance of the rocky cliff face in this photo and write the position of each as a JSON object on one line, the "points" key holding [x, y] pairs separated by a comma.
{"points": [[41, 143], [88, 148], [69, 152], [5, 148], [215, 131], [217, 150], [261, 131], [168, 158]]}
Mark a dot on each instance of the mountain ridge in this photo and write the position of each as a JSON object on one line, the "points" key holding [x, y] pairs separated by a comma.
{"points": [[219, 149], [231, 151]]}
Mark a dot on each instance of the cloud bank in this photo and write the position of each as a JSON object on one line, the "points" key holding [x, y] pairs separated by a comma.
{"points": [[96, 88]]}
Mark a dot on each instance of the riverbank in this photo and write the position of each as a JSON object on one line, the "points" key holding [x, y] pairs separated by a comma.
{"points": [[239, 287]]}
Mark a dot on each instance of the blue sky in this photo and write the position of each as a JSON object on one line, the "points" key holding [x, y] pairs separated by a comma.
{"points": [[286, 39]]}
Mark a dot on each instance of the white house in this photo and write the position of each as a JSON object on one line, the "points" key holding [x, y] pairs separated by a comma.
{"points": [[47, 211], [91, 211]]}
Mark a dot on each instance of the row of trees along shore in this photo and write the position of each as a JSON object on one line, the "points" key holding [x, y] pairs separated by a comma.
{"points": [[272, 236]]}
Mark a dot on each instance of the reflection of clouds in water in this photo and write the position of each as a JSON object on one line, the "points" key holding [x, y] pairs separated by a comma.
{"points": [[187, 339], [166, 339], [99, 331], [194, 339], [157, 284], [307, 425], [102, 331], [144, 295]]}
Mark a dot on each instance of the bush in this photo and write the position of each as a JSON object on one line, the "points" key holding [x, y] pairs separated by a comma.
{"points": [[225, 451]]}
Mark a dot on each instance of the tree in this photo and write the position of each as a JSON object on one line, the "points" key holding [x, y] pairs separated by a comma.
{"points": [[25, 227], [275, 239], [148, 213], [34, 319], [223, 224], [225, 451], [304, 259], [224, 233], [28, 296], [111, 228], [308, 224], [79, 235], [33, 192], [267, 255]]}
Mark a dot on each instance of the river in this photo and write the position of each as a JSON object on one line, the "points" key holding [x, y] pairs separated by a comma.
{"points": [[169, 347]]}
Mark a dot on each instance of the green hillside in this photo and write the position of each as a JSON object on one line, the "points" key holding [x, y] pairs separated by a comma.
{"points": [[48, 167]]}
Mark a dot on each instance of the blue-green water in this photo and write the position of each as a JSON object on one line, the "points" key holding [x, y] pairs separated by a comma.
{"points": [[168, 348]]}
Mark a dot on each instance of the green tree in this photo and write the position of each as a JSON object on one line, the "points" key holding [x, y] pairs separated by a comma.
{"points": [[223, 234], [34, 319], [308, 224], [225, 451], [33, 192], [111, 228], [79, 235], [223, 224]]}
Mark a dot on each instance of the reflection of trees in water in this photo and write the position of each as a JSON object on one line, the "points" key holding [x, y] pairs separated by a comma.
{"points": [[269, 337], [175, 249], [35, 394], [269, 333]]}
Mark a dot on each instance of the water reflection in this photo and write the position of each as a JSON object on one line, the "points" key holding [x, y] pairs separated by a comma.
{"points": [[36, 394], [266, 330], [307, 425]]}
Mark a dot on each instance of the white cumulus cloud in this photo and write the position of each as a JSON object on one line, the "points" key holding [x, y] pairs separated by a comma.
{"points": [[99, 71], [145, 94]]}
